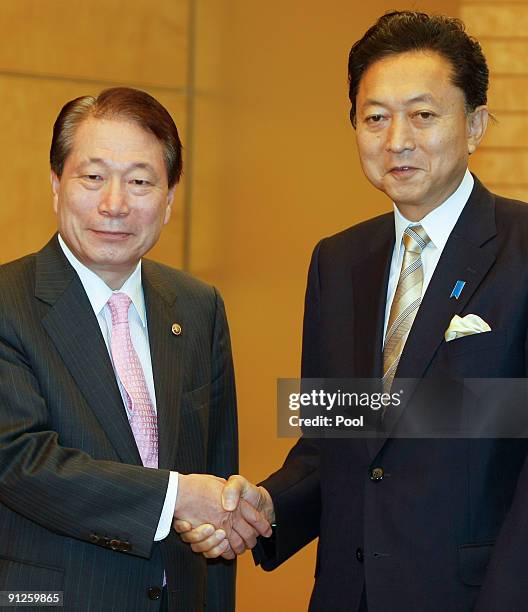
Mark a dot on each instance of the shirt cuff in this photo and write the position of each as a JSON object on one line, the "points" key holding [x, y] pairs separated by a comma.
{"points": [[167, 512]]}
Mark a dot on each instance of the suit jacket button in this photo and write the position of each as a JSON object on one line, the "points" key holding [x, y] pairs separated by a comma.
{"points": [[359, 555], [154, 592], [376, 474], [115, 544], [94, 538], [125, 546]]}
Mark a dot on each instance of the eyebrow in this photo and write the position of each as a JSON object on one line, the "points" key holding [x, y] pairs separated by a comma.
{"points": [[99, 160], [419, 98]]}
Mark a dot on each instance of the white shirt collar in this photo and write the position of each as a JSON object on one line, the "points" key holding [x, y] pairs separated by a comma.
{"points": [[99, 292], [439, 223]]}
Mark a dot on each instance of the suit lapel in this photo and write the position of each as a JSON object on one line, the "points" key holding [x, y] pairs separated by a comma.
{"points": [[468, 255], [73, 328], [166, 351], [370, 279]]}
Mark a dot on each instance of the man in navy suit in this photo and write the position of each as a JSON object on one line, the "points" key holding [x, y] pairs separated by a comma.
{"points": [[433, 525]]}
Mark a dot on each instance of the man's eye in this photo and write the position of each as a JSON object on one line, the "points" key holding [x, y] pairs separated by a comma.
{"points": [[140, 182], [425, 115], [374, 118], [94, 177]]}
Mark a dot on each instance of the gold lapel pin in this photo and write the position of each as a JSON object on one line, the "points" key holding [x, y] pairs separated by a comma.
{"points": [[176, 329]]}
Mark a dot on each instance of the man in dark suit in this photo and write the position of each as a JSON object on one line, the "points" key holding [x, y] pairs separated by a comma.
{"points": [[117, 394], [437, 291]]}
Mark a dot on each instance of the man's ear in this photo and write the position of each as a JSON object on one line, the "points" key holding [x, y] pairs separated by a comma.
{"points": [[168, 210], [477, 122], [55, 184]]}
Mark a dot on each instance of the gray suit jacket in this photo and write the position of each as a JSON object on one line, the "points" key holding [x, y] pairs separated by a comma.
{"points": [[78, 512]]}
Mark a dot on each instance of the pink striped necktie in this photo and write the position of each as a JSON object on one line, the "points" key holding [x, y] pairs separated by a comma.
{"points": [[142, 416]]}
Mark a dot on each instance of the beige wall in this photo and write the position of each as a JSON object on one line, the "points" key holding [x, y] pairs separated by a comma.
{"points": [[259, 92]]}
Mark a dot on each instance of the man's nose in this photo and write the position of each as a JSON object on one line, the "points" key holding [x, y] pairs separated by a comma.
{"points": [[114, 199], [400, 136]]}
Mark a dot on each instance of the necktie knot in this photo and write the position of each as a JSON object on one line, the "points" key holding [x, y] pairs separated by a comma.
{"points": [[415, 239], [119, 304]]}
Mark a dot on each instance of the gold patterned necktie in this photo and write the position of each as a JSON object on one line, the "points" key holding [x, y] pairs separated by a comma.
{"points": [[406, 301]]}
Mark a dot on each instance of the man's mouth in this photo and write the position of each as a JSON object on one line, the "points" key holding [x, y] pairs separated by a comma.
{"points": [[402, 168], [403, 171], [111, 234]]}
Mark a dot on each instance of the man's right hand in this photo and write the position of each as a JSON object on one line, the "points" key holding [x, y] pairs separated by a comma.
{"points": [[237, 495], [203, 504]]}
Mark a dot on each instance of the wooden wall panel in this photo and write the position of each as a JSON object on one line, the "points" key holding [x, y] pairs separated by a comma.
{"points": [[501, 165], [491, 20], [506, 56], [502, 159], [135, 41], [508, 93], [510, 131]]}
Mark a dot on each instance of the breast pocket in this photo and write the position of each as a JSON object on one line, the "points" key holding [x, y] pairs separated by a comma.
{"points": [[475, 356], [483, 341]]}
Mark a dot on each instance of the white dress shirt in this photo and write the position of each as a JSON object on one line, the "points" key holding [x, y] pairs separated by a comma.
{"points": [[99, 293], [438, 225]]}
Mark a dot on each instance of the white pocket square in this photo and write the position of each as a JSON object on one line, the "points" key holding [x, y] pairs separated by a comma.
{"points": [[465, 326]]}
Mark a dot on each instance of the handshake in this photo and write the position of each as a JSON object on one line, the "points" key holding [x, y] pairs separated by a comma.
{"points": [[219, 517]]}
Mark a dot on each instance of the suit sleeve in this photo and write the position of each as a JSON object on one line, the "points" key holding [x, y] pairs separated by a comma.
{"points": [[222, 459], [505, 586], [64, 489], [295, 487]]}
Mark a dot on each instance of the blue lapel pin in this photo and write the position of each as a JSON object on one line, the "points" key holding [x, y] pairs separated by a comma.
{"points": [[457, 289]]}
